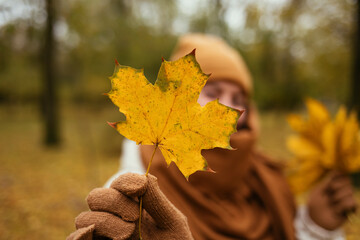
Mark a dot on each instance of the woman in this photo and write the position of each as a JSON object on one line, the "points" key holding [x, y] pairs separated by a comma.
{"points": [[247, 198]]}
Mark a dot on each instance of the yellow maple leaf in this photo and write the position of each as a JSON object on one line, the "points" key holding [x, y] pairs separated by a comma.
{"points": [[322, 145], [166, 114]]}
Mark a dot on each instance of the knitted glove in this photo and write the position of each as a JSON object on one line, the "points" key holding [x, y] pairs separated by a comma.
{"points": [[331, 201], [115, 212]]}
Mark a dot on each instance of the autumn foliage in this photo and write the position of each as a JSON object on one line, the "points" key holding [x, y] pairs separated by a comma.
{"points": [[167, 114], [322, 144]]}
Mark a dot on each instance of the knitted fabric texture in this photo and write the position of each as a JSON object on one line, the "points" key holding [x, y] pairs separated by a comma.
{"points": [[215, 57], [115, 212]]}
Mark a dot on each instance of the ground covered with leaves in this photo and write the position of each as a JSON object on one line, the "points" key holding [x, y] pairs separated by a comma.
{"points": [[42, 190]]}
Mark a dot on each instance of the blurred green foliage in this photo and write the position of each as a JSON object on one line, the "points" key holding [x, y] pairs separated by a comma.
{"points": [[294, 48]]}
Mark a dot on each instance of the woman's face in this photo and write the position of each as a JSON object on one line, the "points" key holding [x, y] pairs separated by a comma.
{"points": [[229, 94]]}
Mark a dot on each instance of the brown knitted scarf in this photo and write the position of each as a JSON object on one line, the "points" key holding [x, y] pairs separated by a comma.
{"points": [[247, 197]]}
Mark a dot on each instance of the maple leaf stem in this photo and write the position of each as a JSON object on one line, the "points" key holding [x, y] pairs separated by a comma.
{"points": [[153, 154], [141, 199]]}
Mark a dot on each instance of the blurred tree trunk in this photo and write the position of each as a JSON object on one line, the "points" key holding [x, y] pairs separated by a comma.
{"points": [[49, 98], [355, 85], [287, 61], [220, 23]]}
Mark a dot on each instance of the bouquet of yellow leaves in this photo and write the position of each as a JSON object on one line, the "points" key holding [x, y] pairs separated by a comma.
{"points": [[321, 145]]}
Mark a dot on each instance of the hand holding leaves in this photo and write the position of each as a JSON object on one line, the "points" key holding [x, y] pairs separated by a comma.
{"points": [[168, 116], [322, 145], [115, 211], [331, 201]]}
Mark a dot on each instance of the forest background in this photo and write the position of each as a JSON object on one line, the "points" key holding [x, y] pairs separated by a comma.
{"points": [[55, 57]]}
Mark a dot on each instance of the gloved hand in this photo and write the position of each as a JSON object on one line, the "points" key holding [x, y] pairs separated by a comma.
{"points": [[115, 212], [331, 201]]}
